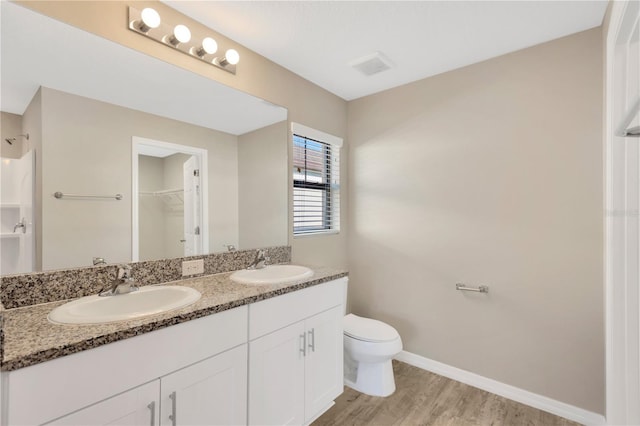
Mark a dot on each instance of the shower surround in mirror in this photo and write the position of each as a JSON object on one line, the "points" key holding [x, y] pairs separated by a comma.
{"points": [[30, 289], [16, 214]]}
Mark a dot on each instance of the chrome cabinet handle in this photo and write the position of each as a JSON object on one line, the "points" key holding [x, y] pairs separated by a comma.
{"points": [[172, 416], [152, 407], [312, 334], [303, 349]]}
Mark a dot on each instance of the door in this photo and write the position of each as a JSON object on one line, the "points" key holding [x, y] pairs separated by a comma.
{"points": [[323, 363], [210, 392], [276, 377], [136, 407], [192, 208]]}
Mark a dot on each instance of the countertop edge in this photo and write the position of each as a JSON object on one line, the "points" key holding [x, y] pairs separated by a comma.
{"points": [[132, 331]]}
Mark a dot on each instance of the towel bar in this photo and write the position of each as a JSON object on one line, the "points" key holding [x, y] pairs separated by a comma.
{"points": [[61, 195], [481, 289]]}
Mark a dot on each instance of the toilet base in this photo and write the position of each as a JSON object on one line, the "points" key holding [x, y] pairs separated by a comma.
{"points": [[375, 379]]}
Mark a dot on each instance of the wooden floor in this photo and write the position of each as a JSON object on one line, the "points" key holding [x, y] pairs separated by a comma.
{"points": [[424, 398]]}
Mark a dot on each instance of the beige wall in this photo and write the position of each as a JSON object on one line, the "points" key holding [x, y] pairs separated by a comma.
{"points": [[262, 184], [85, 153], [10, 127], [490, 174], [307, 103]]}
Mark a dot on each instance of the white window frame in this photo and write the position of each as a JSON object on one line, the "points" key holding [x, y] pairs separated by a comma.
{"points": [[336, 144]]}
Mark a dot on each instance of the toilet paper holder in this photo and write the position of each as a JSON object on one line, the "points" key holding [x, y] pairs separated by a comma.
{"points": [[480, 289]]}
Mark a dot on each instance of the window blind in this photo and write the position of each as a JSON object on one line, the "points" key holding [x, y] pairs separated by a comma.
{"points": [[316, 186]]}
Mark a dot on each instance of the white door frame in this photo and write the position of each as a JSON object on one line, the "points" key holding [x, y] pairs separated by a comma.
{"points": [[622, 226], [136, 144]]}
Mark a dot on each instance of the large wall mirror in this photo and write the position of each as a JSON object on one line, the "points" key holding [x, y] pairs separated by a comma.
{"points": [[123, 139]]}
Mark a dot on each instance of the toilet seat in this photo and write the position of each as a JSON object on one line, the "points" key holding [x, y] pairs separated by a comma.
{"points": [[368, 330]]}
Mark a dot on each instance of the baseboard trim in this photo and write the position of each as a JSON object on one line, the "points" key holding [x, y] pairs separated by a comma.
{"points": [[502, 389]]}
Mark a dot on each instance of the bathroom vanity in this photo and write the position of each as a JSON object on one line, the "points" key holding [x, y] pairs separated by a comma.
{"points": [[268, 354]]}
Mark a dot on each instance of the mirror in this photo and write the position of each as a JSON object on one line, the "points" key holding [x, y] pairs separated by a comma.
{"points": [[83, 101]]}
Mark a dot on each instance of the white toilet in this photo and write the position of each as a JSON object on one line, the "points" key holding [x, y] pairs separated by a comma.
{"points": [[369, 346]]}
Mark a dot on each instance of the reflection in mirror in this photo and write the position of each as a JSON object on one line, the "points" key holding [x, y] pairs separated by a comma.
{"points": [[171, 183], [84, 110]]}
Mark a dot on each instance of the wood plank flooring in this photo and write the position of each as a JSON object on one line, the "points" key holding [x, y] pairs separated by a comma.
{"points": [[424, 398]]}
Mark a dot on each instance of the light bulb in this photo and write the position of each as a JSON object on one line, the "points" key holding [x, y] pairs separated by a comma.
{"points": [[232, 57], [209, 45], [150, 19], [182, 33]]}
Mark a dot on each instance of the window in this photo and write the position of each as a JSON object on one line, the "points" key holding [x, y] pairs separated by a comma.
{"points": [[316, 181]]}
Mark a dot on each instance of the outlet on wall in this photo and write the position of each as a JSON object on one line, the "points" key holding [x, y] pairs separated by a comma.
{"points": [[192, 267]]}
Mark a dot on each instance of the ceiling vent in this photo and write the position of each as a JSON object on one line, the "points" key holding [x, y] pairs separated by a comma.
{"points": [[372, 64]]}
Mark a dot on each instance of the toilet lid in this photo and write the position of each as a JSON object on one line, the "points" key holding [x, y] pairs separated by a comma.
{"points": [[367, 329]]}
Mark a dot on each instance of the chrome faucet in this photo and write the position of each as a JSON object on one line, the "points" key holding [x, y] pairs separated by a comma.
{"points": [[260, 260], [99, 261], [123, 283]]}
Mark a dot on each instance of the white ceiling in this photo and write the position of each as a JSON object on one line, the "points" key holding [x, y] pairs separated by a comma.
{"points": [[318, 39], [39, 51]]}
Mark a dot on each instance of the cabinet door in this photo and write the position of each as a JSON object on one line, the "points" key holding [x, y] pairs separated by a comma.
{"points": [[323, 363], [136, 407], [210, 392], [276, 377]]}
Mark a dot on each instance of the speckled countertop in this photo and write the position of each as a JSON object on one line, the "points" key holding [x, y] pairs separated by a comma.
{"points": [[29, 338]]}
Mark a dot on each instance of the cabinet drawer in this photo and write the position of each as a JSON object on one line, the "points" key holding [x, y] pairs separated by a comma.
{"points": [[272, 314]]}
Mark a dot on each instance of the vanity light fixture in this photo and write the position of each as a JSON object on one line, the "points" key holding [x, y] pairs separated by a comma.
{"points": [[148, 23]]}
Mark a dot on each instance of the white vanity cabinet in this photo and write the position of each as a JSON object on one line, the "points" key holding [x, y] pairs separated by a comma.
{"points": [[295, 355], [203, 361], [210, 392], [277, 361]]}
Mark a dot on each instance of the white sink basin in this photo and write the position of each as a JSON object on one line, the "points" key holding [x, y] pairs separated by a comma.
{"points": [[272, 274], [147, 300]]}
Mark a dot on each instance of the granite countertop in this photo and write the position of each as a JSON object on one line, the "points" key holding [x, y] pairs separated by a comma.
{"points": [[29, 338]]}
